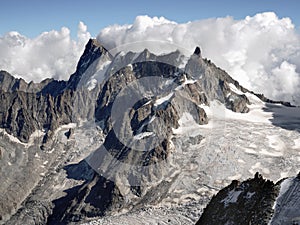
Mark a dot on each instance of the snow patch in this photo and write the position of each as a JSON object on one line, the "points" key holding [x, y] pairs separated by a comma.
{"points": [[33, 136], [187, 125], [250, 194], [163, 99], [235, 177], [95, 73], [91, 84], [232, 197], [297, 144], [184, 59], [130, 66], [275, 142], [241, 161], [143, 135], [235, 90]]}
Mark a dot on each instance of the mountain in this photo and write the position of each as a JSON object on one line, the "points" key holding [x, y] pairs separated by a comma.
{"points": [[255, 201], [131, 132]]}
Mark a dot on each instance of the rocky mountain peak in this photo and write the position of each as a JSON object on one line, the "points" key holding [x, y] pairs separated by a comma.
{"points": [[145, 55], [94, 43], [197, 51], [93, 51]]}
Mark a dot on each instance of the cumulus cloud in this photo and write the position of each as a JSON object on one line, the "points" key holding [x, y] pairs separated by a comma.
{"points": [[261, 52], [51, 54]]}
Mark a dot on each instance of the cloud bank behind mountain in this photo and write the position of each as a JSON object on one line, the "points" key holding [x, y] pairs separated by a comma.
{"points": [[51, 54], [262, 52]]}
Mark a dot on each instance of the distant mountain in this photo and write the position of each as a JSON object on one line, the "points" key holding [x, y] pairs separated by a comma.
{"points": [[136, 129]]}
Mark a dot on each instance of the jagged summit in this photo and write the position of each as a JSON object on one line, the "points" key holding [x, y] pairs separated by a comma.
{"points": [[197, 51], [93, 51], [9, 83], [93, 43]]}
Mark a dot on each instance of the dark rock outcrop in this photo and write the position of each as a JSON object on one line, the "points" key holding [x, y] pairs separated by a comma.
{"points": [[255, 201]]}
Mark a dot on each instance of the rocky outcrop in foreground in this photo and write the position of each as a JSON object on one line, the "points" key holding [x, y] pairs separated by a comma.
{"points": [[255, 201]]}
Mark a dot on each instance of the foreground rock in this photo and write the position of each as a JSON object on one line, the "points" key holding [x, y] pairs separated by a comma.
{"points": [[255, 201]]}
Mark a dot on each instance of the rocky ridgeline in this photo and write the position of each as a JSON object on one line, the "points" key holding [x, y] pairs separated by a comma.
{"points": [[255, 201], [44, 106], [47, 105], [248, 202]]}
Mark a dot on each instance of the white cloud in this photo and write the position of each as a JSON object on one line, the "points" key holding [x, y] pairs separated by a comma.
{"points": [[51, 54], [262, 52]]}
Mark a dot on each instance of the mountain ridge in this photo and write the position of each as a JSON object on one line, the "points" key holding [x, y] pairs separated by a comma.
{"points": [[115, 171]]}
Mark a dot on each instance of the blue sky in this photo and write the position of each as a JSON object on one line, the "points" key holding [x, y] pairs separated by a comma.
{"points": [[32, 17]]}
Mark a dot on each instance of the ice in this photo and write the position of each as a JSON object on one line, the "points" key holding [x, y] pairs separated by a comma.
{"points": [[33, 136], [241, 161], [235, 177], [297, 143], [284, 187], [275, 142], [250, 151], [91, 84], [163, 99], [143, 135], [234, 89], [187, 124], [271, 153], [258, 167]]}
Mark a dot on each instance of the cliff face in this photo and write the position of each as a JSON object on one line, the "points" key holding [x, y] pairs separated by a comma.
{"points": [[22, 113]]}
